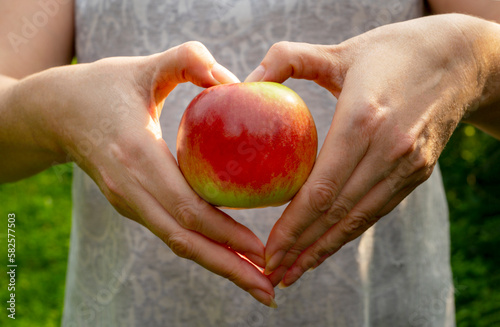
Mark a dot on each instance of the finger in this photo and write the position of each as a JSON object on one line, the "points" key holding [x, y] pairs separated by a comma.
{"points": [[378, 201], [188, 62], [342, 150], [126, 192], [156, 170], [277, 275], [353, 159], [320, 63], [401, 163], [422, 174], [211, 255], [218, 259], [370, 171], [195, 214], [410, 172], [343, 204], [324, 65]]}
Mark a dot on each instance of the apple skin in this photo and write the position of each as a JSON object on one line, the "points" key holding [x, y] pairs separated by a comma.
{"points": [[247, 145]]}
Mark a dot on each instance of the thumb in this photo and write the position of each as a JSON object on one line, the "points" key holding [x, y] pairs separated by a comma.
{"points": [[323, 64], [188, 62]]}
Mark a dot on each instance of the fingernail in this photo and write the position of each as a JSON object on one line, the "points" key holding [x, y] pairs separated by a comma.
{"points": [[282, 285], [223, 75], [274, 262], [264, 297], [267, 272], [256, 75]]}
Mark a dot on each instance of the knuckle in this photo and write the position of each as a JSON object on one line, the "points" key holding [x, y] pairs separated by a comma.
{"points": [[404, 170], [113, 190], [281, 48], [179, 244], [413, 152], [402, 145], [322, 194], [284, 52], [290, 235], [339, 210], [420, 159], [187, 213], [416, 161], [316, 255], [192, 48], [194, 58], [320, 250], [426, 173], [192, 52], [411, 157], [355, 222], [368, 117]]}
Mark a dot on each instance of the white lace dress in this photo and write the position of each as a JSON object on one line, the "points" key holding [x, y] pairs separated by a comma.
{"points": [[120, 274]]}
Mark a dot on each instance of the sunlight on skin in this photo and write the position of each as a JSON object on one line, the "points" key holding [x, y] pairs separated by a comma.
{"points": [[154, 127], [253, 264]]}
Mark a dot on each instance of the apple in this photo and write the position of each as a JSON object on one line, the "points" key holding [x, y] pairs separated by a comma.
{"points": [[247, 145]]}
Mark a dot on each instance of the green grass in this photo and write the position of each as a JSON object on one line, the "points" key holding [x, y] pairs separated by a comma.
{"points": [[470, 166], [42, 205], [471, 171]]}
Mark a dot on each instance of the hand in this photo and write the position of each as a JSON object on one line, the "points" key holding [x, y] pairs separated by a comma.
{"points": [[401, 89], [106, 118]]}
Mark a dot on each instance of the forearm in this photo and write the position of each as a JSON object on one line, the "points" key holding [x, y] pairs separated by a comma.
{"points": [[487, 9], [484, 38], [25, 144]]}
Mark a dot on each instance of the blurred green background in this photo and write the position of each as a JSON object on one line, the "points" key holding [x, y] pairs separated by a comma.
{"points": [[470, 167]]}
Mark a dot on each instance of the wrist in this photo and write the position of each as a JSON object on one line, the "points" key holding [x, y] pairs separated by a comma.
{"points": [[37, 101], [27, 140], [483, 38]]}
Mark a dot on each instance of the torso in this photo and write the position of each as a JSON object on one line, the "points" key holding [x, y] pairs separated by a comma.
{"points": [[121, 275]]}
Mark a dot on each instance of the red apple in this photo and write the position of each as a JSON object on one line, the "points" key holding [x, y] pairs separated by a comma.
{"points": [[247, 145]]}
